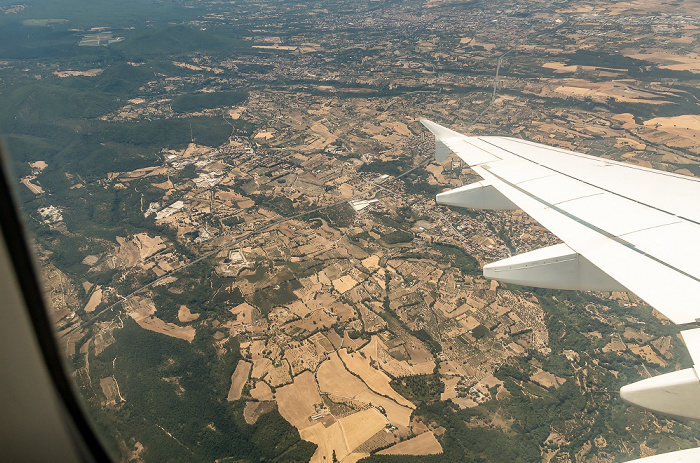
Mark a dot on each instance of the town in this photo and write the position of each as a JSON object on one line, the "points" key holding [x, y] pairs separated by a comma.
{"points": [[295, 217]]}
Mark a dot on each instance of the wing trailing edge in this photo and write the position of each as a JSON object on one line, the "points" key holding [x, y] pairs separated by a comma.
{"points": [[601, 209]]}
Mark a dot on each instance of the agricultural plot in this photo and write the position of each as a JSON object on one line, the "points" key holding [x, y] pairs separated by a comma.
{"points": [[261, 391], [334, 378], [423, 444], [375, 379], [329, 439], [360, 426], [298, 401], [238, 380], [142, 310], [95, 300]]}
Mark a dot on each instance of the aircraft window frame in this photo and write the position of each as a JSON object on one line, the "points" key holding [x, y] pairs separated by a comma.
{"points": [[85, 439]]}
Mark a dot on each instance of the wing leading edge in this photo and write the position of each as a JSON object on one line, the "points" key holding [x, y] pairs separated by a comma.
{"points": [[623, 227]]}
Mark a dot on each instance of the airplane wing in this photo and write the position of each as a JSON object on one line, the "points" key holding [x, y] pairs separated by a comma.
{"points": [[624, 227]]}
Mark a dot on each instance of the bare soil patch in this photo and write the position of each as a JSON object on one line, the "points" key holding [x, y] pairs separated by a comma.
{"points": [[686, 127], [615, 345], [355, 457], [375, 379], [329, 439], [376, 350], [648, 354], [344, 283], [238, 380], [450, 387], [261, 391], [423, 444], [299, 400], [109, 388], [185, 316], [333, 378], [667, 60], [546, 379], [253, 410], [371, 263], [279, 375], [360, 426], [94, 301], [396, 414], [86, 73], [147, 245], [600, 91], [398, 127], [142, 310], [261, 366], [33, 187], [169, 329]]}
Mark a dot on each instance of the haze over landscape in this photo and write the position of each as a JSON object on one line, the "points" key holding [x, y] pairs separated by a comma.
{"points": [[233, 208]]}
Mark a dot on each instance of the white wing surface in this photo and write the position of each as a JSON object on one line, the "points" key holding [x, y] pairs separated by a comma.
{"points": [[640, 226], [623, 227]]}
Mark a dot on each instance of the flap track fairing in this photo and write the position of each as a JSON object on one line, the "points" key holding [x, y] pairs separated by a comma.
{"points": [[554, 267]]}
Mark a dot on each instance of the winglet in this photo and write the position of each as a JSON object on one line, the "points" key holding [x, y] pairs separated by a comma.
{"points": [[440, 132]]}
